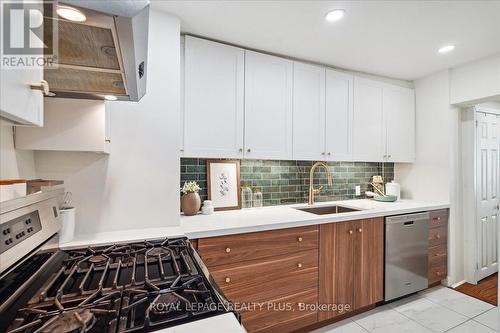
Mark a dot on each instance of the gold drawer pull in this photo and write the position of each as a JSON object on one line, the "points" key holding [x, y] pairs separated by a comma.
{"points": [[350, 232], [228, 249], [438, 236], [228, 280], [299, 265], [437, 218], [299, 239], [360, 230]]}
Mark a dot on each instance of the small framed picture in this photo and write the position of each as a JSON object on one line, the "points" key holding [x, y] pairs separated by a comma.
{"points": [[223, 184]]}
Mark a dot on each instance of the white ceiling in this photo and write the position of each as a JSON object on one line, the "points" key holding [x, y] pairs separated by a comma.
{"points": [[397, 39]]}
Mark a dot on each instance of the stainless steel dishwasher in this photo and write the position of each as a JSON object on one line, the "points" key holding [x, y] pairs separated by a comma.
{"points": [[406, 249]]}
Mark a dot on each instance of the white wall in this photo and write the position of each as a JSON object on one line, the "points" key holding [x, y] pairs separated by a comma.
{"points": [[14, 164], [137, 185], [476, 82], [435, 175], [428, 177]]}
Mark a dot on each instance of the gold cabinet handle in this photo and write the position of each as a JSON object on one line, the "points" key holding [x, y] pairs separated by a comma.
{"points": [[299, 239], [299, 265], [350, 232], [228, 280], [228, 249], [438, 236], [437, 218], [43, 86], [360, 230]]}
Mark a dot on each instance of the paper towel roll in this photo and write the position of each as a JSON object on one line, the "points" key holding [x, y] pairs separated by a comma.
{"points": [[67, 232]]}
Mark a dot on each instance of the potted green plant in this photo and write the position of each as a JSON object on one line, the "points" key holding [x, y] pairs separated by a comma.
{"points": [[190, 200]]}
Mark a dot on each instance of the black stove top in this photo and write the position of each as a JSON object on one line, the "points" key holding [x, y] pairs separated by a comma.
{"points": [[138, 287]]}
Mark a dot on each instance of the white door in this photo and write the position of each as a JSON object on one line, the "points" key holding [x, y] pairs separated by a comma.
{"points": [[487, 173], [367, 139], [308, 112], [339, 114], [399, 120], [268, 106], [18, 102], [213, 102]]}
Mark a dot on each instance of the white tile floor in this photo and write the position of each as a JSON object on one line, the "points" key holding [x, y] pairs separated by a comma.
{"points": [[435, 310]]}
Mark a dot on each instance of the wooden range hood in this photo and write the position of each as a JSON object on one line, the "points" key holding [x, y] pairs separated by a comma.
{"points": [[104, 55]]}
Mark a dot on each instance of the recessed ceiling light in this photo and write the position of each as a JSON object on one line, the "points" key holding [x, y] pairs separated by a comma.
{"points": [[334, 15], [110, 97], [71, 14], [446, 49]]}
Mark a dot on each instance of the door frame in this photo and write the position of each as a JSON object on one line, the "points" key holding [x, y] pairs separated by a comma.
{"points": [[470, 189]]}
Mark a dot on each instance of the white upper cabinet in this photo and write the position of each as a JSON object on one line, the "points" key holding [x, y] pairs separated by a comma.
{"points": [[367, 137], [18, 102], [384, 122], [399, 118], [213, 102], [268, 106], [339, 115], [308, 112]]}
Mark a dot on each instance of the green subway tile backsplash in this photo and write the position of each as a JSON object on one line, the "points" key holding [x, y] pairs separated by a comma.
{"points": [[287, 182]]}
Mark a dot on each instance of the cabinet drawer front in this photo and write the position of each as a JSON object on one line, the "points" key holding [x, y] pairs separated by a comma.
{"points": [[438, 236], [293, 324], [278, 311], [264, 279], [437, 253], [277, 288], [439, 218], [437, 271], [225, 250]]}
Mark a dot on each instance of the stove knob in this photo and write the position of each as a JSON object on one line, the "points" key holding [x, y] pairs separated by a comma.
{"points": [[7, 242], [228, 280], [6, 231], [228, 249]]}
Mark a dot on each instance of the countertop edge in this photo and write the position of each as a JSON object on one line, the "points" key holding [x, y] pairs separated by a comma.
{"points": [[313, 220]]}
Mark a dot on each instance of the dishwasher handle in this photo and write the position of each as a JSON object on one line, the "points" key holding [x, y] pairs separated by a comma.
{"points": [[407, 218]]}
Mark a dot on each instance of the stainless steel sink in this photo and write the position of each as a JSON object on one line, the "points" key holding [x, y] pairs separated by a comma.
{"points": [[324, 210]]}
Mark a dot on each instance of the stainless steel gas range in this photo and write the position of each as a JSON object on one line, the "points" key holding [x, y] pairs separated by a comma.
{"points": [[137, 287]]}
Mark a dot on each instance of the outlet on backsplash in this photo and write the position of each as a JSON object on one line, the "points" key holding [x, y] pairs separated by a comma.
{"points": [[287, 182], [358, 190]]}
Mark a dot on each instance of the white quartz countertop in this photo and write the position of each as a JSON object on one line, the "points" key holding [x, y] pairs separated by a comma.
{"points": [[122, 236], [255, 219], [225, 323], [279, 217]]}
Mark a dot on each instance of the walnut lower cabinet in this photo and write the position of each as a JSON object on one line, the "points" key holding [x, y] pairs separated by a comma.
{"points": [[351, 265], [265, 272]]}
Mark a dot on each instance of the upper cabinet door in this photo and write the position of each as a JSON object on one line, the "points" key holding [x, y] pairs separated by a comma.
{"points": [[214, 103], [308, 112], [18, 102], [339, 115], [268, 106], [367, 140], [399, 118]]}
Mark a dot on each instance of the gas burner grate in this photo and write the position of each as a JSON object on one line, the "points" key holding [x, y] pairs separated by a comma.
{"points": [[96, 313], [120, 288]]}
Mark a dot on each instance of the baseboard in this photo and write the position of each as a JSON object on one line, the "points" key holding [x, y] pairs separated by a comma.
{"points": [[458, 284]]}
